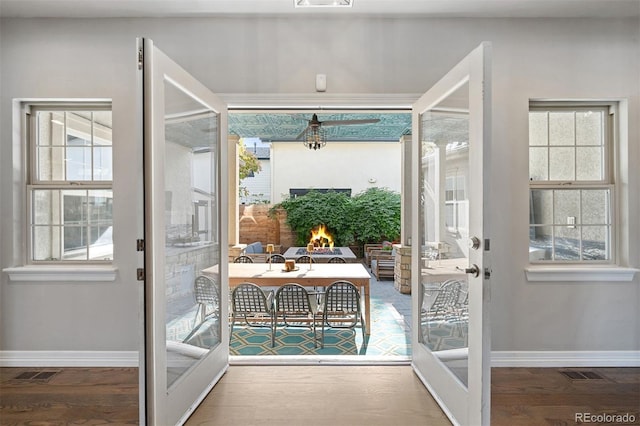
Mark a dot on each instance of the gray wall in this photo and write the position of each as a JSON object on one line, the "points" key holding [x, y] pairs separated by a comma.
{"points": [[532, 59]]}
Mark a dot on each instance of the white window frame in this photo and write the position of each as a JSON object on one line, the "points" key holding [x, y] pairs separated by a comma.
{"points": [[33, 183], [608, 181], [613, 270]]}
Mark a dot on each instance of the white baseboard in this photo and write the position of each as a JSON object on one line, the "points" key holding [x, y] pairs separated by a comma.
{"points": [[565, 359], [69, 358], [498, 358]]}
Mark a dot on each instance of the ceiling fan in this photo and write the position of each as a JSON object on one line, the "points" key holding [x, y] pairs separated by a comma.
{"points": [[314, 123], [315, 138]]}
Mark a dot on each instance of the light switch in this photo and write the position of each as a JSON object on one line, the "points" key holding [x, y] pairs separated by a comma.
{"points": [[321, 82]]}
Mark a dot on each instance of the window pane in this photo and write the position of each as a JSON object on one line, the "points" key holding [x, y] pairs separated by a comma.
{"points": [[589, 163], [561, 128], [538, 163], [594, 243], [566, 244], [102, 163], [51, 163], [45, 207], [101, 206], [562, 163], [75, 207], [589, 125], [540, 243], [87, 218], [538, 128], [46, 243], [595, 207], [74, 146], [50, 128], [101, 247], [102, 133], [78, 163], [541, 207], [566, 206], [75, 242]]}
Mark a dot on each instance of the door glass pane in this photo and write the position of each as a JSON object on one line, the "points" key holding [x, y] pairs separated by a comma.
{"points": [[444, 231], [191, 231]]}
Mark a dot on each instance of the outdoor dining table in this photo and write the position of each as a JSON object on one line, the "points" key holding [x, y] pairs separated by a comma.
{"points": [[320, 275]]}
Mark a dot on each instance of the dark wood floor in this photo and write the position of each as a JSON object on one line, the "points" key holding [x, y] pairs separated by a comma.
{"points": [[520, 396], [88, 396], [545, 396]]}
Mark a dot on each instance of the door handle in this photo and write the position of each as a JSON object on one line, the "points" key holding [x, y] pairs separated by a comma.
{"points": [[473, 269]]}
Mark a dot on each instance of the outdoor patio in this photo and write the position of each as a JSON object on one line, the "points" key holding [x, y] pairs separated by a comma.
{"points": [[390, 330]]}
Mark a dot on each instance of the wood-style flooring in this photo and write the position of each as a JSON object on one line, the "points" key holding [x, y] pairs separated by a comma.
{"points": [[545, 396], [303, 395], [68, 396], [319, 395]]}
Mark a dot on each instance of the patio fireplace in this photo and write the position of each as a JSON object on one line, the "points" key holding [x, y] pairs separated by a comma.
{"points": [[321, 238]]}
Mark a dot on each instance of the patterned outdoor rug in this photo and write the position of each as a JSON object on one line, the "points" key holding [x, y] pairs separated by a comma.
{"points": [[443, 335], [389, 337]]}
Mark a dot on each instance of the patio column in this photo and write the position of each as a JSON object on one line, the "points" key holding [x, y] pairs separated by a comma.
{"points": [[406, 196], [233, 168], [440, 196]]}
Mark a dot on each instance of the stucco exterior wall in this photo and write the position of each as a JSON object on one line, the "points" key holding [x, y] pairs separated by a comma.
{"points": [[349, 165]]}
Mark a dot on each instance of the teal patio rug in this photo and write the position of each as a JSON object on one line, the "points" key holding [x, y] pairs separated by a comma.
{"points": [[445, 335], [389, 337]]}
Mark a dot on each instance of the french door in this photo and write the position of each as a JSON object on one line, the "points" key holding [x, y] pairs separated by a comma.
{"points": [[450, 234], [185, 232]]}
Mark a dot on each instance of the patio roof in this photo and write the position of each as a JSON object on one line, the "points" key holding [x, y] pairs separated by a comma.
{"points": [[270, 126]]}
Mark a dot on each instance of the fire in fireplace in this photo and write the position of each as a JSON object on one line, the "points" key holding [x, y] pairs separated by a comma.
{"points": [[320, 237]]}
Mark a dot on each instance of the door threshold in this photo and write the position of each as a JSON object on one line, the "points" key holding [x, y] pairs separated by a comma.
{"points": [[317, 360]]}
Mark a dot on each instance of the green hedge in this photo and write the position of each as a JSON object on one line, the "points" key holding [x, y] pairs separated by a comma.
{"points": [[370, 216]]}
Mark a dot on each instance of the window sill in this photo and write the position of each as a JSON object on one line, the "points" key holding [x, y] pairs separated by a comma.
{"points": [[58, 273], [579, 273]]}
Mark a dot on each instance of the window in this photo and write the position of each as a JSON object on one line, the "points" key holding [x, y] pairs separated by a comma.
{"points": [[70, 197], [571, 183], [456, 203]]}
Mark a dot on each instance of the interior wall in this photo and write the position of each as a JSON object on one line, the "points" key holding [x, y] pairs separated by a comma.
{"points": [[546, 58]]}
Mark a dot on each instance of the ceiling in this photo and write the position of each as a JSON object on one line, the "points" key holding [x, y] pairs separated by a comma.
{"points": [[270, 126], [425, 8]]}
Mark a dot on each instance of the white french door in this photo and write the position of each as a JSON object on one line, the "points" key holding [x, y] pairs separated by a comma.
{"points": [[185, 232], [450, 234]]}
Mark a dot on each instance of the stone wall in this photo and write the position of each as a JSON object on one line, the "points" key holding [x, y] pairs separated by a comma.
{"points": [[402, 269]]}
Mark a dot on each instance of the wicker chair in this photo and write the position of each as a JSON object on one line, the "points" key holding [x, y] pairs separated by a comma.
{"points": [[243, 259], [447, 299], [249, 302], [277, 258], [304, 259], [207, 297], [341, 307], [445, 306], [296, 307], [337, 259]]}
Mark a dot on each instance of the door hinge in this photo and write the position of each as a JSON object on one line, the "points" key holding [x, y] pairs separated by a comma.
{"points": [[140, 274], [487, 273], [140, 58], [139, 245]]}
